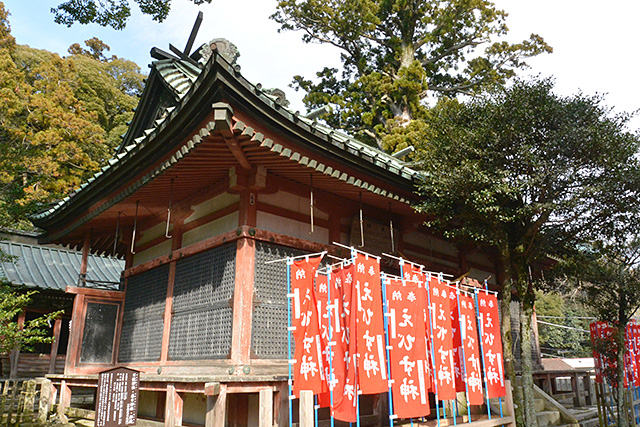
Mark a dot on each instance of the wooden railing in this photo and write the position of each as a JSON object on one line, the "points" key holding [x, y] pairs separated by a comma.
{"points": [[18, 402], [580, 393]]}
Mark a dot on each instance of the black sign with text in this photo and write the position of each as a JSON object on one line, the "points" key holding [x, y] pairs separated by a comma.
{"points": [[117, 398]]}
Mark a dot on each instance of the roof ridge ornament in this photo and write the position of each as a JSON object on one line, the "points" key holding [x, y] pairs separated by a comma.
{"points": [[225, 48]]}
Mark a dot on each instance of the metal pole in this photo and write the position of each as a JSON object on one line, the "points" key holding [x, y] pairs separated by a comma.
{"points": [[433, 357], [330, 344], [385, 303], [482, 353], [463, 329], [289, 262]]}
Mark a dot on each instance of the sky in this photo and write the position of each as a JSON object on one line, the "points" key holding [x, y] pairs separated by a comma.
{"points": [[593, 43]]}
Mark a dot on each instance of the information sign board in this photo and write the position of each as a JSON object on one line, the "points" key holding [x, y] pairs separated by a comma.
{"points": [[117, 398]]}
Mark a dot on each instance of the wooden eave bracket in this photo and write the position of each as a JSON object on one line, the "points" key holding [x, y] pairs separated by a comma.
{"points": [[236, 150], [212, 389], [222, 116], [243, 179]]}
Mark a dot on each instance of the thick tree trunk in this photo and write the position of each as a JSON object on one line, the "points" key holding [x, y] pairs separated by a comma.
{"points": [[504, 264], [526, 313], [507, 344], [623, 412]]}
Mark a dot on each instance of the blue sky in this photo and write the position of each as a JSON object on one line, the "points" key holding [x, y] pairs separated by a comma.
{"points": [[594, 45]]}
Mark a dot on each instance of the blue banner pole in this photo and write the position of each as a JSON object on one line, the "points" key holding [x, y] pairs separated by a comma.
{"points": [[289, 296], [330, 344], [433, 357], [463, 327], [479, 318], [385, 304]]}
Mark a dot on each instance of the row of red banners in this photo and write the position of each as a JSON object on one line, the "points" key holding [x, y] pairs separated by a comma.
{"points": [[440, 340], [603, 342]]}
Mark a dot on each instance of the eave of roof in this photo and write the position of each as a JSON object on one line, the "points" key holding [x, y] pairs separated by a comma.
{"points": [[44, 267], [217, 80]]}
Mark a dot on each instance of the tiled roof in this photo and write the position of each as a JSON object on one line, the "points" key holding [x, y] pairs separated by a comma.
{"points": [[556, 365], [44, 267], [183, 78]]}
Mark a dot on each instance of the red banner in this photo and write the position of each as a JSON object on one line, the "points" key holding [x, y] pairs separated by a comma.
{"points": [[413, 273], [372, 368], [636, 339], [442, 339], [407, 349], [345, 393], [595, 334], [458, 360], [469, 335], [631, 354], [491, 343], [308, 371]]}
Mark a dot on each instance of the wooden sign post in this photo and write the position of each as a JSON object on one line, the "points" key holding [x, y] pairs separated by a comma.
{"points": [[117, 398]]}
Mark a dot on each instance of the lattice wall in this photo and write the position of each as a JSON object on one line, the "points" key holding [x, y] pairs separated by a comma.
{"points": [[141, 337], [202, 314], [269, 330]]}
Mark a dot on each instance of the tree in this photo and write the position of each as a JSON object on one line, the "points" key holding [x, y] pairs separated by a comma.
{"points": [[16, 336], [112, 13], [528, 174], [60, 119], [609, 276], [108, 87], [395, 52], [564, 310]]}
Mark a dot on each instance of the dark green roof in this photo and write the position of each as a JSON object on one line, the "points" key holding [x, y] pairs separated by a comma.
{"points": [[193, 89]]}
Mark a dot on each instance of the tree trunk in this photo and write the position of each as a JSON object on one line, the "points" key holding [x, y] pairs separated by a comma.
{"points": [[507, 340], [526, 313], [621, 404], [507, 347]]}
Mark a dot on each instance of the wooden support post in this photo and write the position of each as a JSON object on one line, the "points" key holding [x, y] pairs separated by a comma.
{"points": [[65, 401], [509, 409], [281, 400], [86, 245], [243, 302], [44, 405], [578, 400], [306, 409], [600, 406], [334, 227], [73, 346], [173, 407], [168, 309], [57, 326], [217, 408], [586, 382], [14, 356], [266, 408]]}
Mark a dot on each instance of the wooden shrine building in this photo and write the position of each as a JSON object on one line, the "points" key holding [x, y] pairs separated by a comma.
{"points": [[214, 177], [49, 270]]}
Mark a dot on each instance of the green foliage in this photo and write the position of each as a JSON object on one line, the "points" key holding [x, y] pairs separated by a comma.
{"points": [[12, 303], [108, 87], [60, 119], [608, 274], [528, 174], [112, 13], [394, 52], [528, 171], [564, 310]]}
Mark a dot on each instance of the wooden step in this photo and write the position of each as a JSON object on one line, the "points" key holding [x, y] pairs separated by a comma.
{"points": [[548, 418]]}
